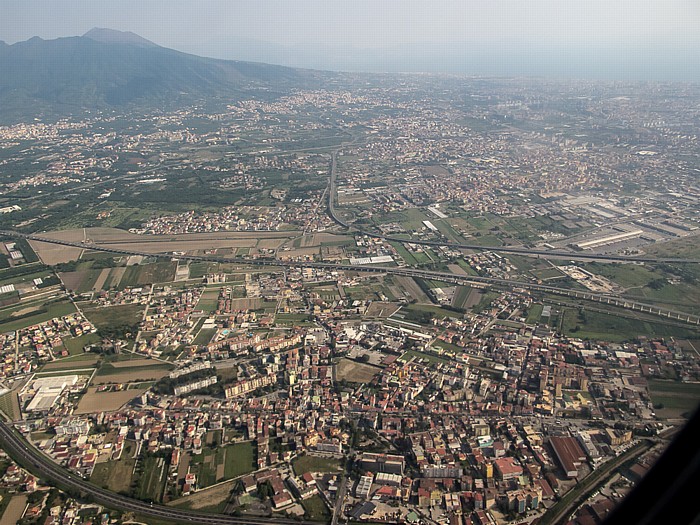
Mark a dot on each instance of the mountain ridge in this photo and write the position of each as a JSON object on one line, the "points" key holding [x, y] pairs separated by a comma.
{"points": [[108, 69]]}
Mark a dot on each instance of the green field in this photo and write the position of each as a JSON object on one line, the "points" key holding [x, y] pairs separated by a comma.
{"points": [[80, 360], [410, 219], [673, 398], [114, 475], [466, 267], [547, 274], [25, 278], [404, 253], [534, 313], [432, 359], [308, 463], [237, 459], [585, 324], [204, 336], [200, 269], [447, 230], [114, 316], [626, 275], [293, 319], [107, 369], [9, 405], [486, 301], [315, 509], [240, 459], [152, 480], [75, 345], [461, 296], [50, 311], [148, 273], [208, 301]]}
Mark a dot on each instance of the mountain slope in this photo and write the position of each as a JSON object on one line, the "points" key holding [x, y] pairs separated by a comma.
{"points": [[109, 69]]}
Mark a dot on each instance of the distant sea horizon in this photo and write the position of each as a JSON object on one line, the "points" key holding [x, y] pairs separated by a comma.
{"points": [[594, 62]]}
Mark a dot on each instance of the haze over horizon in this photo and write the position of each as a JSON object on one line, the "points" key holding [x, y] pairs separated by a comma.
{"points": [[626, 40]]}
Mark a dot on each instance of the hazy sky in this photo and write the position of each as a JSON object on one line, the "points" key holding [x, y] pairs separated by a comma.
{"points": [[309, 32]]}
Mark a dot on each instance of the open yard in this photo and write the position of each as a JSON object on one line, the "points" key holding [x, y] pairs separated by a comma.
{"points": [[75, 345], [14, 511], [214, 498], [55, 253], [94, 401], [355, 372], [308, 463], [316, 509]]}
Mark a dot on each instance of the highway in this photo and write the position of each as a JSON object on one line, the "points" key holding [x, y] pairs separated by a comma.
{"points": [[35, 461], [545, 254], [404, 271]]}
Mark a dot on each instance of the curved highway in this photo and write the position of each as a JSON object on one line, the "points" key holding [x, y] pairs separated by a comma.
{"points": [[35, 461]]}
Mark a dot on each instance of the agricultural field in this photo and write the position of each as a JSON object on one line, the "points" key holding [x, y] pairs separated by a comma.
{"points": [[110, 317], [204, 336], [381, 309], [461, 297], [55, 253], [222, 463], [152, 479], [80, 281], [208, 300], [254, 303], [292, 319], [111, 374], [411, 288], [673, 399], [407, 256], [77, 361], [9, 405], [355, 372], [28, 316], [139, 275]]}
